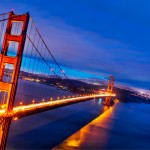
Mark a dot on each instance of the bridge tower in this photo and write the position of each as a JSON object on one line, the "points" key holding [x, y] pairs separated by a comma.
{"points": [[11, 87], [109, 89]]}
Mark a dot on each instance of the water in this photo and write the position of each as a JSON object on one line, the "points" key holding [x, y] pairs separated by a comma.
{"points": [[84, 125], [48, 129], [125, 126]]}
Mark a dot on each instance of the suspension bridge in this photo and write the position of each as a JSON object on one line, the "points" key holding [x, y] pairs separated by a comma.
{"points": [[31, 80]]}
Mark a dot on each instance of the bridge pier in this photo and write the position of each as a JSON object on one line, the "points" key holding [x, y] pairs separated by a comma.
{"points": [[4, 129], [107, 101]]}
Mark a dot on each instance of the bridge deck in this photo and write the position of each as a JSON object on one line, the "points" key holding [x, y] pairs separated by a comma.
{"points": [[26, 110]]}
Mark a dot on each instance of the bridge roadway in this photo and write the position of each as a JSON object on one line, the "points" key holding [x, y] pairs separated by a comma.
{"points": [[31, 109]]}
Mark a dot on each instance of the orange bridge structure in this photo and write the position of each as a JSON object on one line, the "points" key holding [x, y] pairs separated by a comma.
{"points": [[31, 80]]}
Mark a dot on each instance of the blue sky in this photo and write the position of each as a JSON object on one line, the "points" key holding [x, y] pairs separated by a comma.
{"points": [[99, 37]]}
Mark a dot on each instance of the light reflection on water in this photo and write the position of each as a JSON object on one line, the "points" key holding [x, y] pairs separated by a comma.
{"points": [[89, 134], [125, 126]]}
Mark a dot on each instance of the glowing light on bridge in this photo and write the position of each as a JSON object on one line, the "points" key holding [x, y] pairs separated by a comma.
{"points": [[43, 104]]}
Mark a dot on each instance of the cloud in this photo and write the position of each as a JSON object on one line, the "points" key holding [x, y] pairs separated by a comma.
{"points": [[88, 51], [92, 53]]}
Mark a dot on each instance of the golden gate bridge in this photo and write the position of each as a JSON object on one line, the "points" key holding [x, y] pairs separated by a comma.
{"points": [[31, 80]]}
